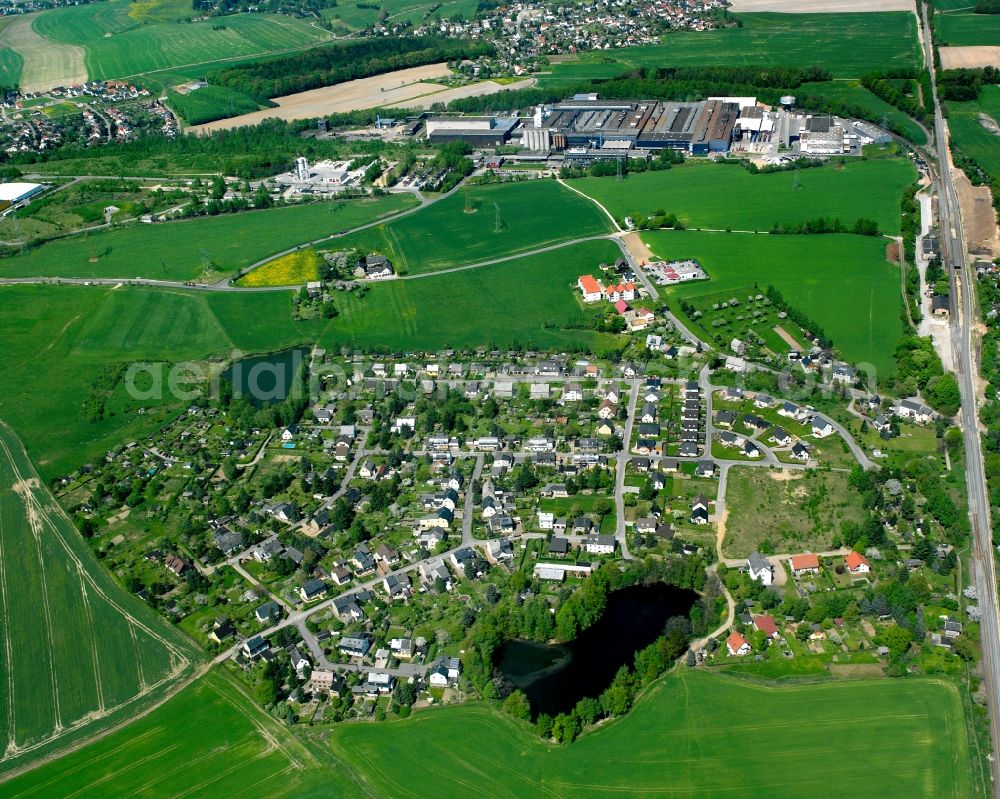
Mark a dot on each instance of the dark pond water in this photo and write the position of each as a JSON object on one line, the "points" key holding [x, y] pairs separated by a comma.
{"points": [[555, 678], [266, 379]]}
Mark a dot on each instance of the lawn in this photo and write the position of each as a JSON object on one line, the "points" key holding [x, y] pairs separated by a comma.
{"points": [[686, 737], [848, 45], [119, 45], [724, 196], [78, 652], [528, 301], [786, 511], [840, 281], [209, 740], [463, 228], [184, 250], [961, 30]]}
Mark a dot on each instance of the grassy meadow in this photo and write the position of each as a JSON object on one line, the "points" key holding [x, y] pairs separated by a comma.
{"points": [[840, 281], [848, 45], [207, 246], [78, 652], [798, 512], [123, 39], [967, 29], [209, 740], [687, 736], [528, 301], [968, 133], [727, 196], [462, 229], [57, 340]]}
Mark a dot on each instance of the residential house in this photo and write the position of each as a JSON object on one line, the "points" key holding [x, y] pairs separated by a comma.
{"points": [[312, 590], [766, 625], [599, 544], [857, 563], [737, 645], [807, 563], [821, 427], [760, 569]]}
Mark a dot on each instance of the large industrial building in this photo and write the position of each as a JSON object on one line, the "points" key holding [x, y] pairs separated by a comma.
{"points": [[585, 121], [585, 128], [476, 131]]}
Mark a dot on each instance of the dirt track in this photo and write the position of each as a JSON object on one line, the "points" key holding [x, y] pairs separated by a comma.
{"points": [[969, 57], [821, 6]]}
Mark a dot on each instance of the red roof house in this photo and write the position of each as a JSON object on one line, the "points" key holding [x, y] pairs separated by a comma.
{"points": [[766, 625], [857, 563], [737, 645], [801, 564]]}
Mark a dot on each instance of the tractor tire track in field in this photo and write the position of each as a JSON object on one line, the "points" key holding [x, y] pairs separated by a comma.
{"points": [[11, 749], [95, 659]]}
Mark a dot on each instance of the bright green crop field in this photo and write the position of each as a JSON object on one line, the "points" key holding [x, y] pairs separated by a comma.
{"points": [[847, 45], [76, 652], [966, 29], [213, 246], [727, 196], [840, 281], [692, 735], [462, 229], [123, 39], [209, 740]]}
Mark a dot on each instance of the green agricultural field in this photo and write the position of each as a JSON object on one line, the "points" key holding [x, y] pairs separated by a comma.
{"points": [[210, 103], [118, 44], [77, 652], [724, 196], [686, 737], [961, 30], [968, 134], [840, 281], [57, 341], [786, 511], [209, 740], [210, 246], [848, 45], [528, 301], [462, 228]]}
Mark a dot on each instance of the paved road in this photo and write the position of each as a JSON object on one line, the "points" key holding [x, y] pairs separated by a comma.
{"points": [[621, 462], [963, 285], [469, 507]]}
